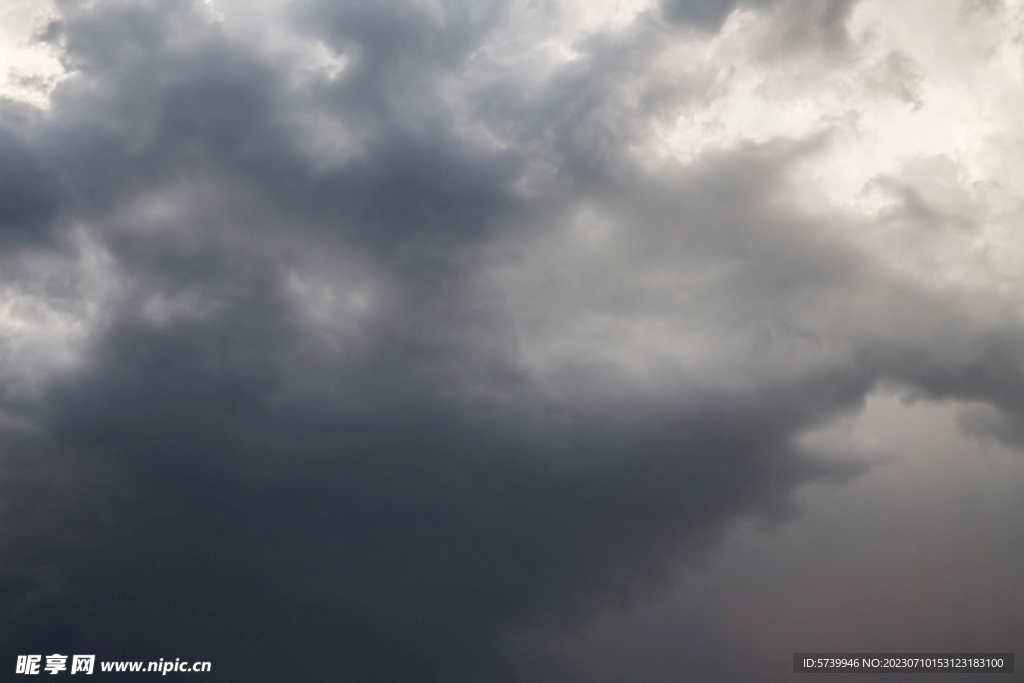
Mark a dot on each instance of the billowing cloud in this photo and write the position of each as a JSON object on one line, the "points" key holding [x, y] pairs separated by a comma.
{"points": [[346, 340]]}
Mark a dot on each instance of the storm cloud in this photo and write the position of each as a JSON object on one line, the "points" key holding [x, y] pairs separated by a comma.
{"points": [[349, 340]]}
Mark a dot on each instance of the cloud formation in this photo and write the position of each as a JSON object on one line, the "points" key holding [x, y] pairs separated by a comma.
{"points": [[345, 340]]}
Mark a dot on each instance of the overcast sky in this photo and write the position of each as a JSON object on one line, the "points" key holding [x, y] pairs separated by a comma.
{"points": [[488, 341]]}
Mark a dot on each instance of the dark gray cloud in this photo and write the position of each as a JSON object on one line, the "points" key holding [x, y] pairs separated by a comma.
{"points": [[799, 22], [847, 574], [30, 199], [350, 403], [707, 14]]}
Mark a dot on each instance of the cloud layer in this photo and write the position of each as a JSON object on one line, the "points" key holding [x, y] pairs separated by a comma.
{"points": [[349, 339]]}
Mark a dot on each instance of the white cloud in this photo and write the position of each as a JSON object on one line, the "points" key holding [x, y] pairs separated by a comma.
{"points": [[51, 310], [29, 68]]}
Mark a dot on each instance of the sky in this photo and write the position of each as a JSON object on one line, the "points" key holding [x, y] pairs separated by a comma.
{"points": [[488, 341]]}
